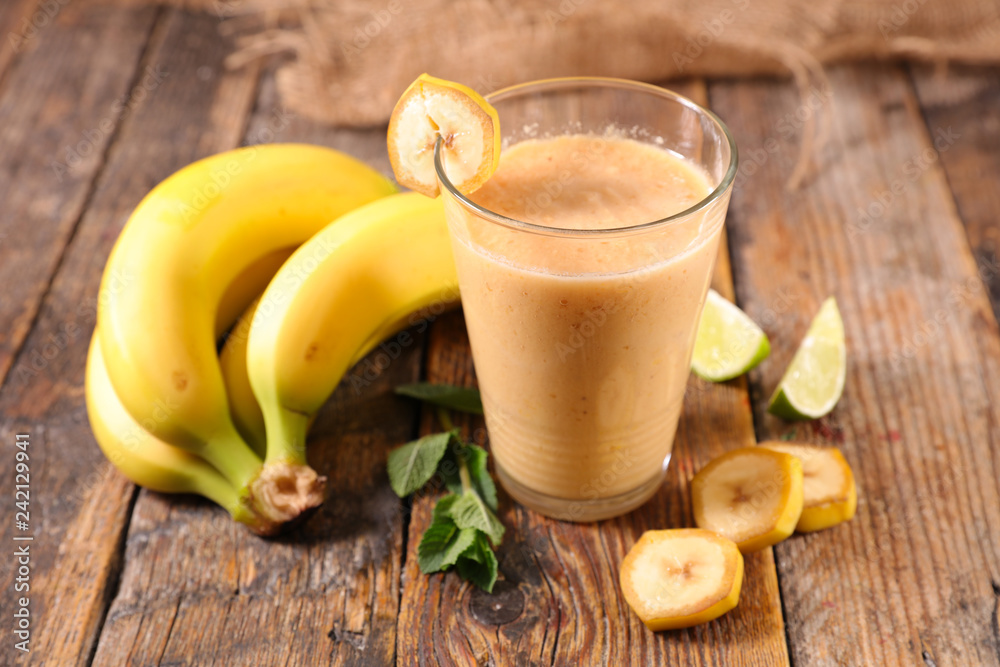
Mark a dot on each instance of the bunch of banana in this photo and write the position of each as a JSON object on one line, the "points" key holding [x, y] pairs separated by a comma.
{"points": [[143, 458], [369, 275], [192, 256]]}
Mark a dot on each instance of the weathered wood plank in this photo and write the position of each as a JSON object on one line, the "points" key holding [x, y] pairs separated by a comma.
{"points": [[197, 587], [558, 600], [61, 105], [273, 122], [58, 95], [964, 129], [21, 21], [913, 578]]}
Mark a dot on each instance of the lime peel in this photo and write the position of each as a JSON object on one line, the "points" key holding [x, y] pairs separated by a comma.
{"points": [[814, 380], [728, 343]]}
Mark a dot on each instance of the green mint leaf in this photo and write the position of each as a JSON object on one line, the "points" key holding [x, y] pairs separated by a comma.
{"points": [[469, 511], [475, 458], [478, 564], [449, 467], [462, 399], [443, 542], [434, 545], [442, 508], [412, 465]]}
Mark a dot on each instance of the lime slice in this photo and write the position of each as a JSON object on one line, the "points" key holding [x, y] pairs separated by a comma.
{"points": [[728, 343], [814, 381]]}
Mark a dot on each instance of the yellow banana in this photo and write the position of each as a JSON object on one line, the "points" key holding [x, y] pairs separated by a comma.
{"points": [[243, 407], [247, 288], [353, 283], [169, 285], [143, 458]]}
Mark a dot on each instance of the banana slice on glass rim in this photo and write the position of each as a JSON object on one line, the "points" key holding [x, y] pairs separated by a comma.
{"points": [[468, 127]]}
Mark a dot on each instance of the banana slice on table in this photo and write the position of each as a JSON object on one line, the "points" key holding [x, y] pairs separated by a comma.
{"points": [[468, 126], [751, 495], [683, 577], [829, 494]]}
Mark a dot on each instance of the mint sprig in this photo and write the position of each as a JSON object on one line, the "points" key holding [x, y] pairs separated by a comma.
{"points": [[464, 522]]}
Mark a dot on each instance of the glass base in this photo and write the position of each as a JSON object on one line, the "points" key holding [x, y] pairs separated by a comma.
{"points": [[581, 510]]}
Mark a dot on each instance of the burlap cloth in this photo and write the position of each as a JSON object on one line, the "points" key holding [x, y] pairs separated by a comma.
{"points": [[352, 58]]}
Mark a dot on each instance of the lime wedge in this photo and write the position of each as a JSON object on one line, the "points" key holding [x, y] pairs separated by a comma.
{"points": [[814, 381], [728, 342]]}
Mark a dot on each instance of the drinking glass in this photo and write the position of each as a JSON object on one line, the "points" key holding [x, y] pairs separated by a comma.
{"points": [[582, 338]]}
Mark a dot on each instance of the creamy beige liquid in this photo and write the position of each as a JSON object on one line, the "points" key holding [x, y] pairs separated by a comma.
{"points": [[582, 346]]}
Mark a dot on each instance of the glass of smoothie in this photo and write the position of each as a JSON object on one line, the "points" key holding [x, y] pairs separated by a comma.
{"points": [[584, 263]]}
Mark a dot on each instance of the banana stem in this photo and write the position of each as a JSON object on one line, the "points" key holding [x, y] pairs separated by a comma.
{"points": [[219, 491], [232, 457], [286, 436], [286, 488]]}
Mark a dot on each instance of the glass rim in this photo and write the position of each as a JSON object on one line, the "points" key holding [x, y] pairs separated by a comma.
{"points": [[608, 82]]}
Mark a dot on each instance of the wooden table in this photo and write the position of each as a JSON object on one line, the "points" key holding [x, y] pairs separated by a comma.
{"points": [[98, 105]]}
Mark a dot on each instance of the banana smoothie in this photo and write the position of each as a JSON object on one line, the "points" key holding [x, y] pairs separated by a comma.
{"points": [[582, 337]]}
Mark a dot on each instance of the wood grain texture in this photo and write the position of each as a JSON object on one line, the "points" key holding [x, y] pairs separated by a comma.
{"points": [[199, 589], [21, 21], [53, 99], [963, 128], [90, 125], [558, 600], [913, 578], [60, 110]]}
